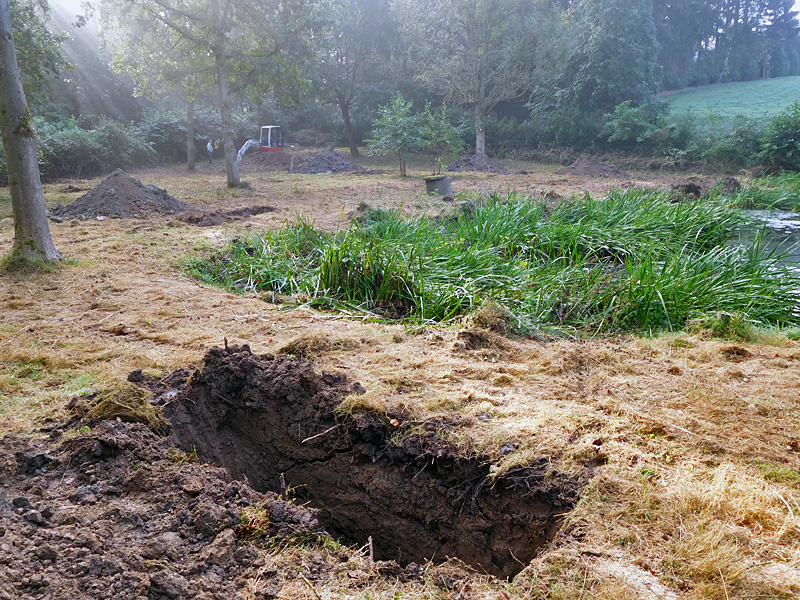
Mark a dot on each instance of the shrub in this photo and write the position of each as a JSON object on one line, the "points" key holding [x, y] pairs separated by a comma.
{"points": [[67, 149], [780, 146], [641, 128], [739, 148], [398, 130]]}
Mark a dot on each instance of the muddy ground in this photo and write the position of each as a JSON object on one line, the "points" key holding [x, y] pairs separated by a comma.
{"points": [[692, 441]]}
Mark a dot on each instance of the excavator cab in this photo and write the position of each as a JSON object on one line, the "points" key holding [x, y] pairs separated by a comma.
{"points": [[271, 138]]}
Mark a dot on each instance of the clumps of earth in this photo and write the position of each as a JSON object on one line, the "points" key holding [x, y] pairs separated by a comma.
{"points": [[696, 187], [477, 163], [592, 166], [210, 218], [117, 511], [120, 196], [327, 161], [104, 506]]}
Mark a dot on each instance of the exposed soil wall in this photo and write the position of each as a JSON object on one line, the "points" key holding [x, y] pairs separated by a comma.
{"points": [[268, 417]]}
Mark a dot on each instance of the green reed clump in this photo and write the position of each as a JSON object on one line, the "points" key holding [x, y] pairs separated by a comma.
{"points": [[631, 261], [780, 192]]}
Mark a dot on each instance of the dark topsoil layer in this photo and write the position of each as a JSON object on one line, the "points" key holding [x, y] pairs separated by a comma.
{"points": [[414, 494]]}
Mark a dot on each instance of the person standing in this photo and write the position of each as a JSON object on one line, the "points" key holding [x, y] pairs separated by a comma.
{"points": [[210, 149]]}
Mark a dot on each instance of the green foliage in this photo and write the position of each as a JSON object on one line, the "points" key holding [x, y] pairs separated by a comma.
{"points": [[67, 149], [398, 130], [38, 48], [596, 61], [781, 142], [770, 192], [736, 149], [401, 131], [642, 128], [443, 140], [632, 261]]}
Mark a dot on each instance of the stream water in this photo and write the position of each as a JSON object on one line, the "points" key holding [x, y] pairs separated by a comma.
{"points": [[781, 233]]}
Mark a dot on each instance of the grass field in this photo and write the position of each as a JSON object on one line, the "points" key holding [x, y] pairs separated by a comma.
{"points": [[719, 105], [695, 488]]}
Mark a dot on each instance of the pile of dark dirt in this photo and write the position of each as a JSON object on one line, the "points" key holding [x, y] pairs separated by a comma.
{"points": [[120, 196], [696, 187], [271, 160], [591, 166], [272, 420], [477, 163], [692, 187], [327, 161], [210, 218], [114, 510]]}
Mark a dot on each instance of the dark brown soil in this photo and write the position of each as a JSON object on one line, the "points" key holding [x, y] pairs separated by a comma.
{"points": [[273, 421], [591, 166], [120, 196], [113, 510], [477, 163], [327, 161], [210, 218]]}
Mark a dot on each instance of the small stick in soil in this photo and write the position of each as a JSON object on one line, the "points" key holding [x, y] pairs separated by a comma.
{"points": [[371, 555], [311, 587], [283, 486], [308, 439], [111, 315]]}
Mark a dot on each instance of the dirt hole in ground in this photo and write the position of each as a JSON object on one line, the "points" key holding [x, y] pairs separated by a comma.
{"points": [[272, 420]]}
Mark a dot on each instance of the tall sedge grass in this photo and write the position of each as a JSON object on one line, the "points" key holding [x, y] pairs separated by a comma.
{"points": [[633, 260], [780, 192]]}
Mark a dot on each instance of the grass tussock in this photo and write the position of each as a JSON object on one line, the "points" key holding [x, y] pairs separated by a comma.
{"points": [[307, 346], [127, 402], [780, 192], [631, 261]]}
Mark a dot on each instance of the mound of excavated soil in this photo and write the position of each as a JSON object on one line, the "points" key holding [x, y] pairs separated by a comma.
{"points": [[120, 196], [476, 163], [117, 511], [271, 160], [591, 166], [272, 420], [327, 161]]}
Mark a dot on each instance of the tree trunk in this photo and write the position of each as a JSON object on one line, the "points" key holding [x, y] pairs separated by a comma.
{"points": [[480, 131], [31, 230], [231, 166], [190, 152], [218, 48], [348, 130]]}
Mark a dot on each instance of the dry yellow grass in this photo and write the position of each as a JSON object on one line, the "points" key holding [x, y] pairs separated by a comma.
{"points": [[698, 490]]}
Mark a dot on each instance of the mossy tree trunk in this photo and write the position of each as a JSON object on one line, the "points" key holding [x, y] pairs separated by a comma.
{"points": [[31, 231]]}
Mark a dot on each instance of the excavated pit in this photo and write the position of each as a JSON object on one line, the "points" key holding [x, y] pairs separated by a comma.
{"points": [[271, 419]]}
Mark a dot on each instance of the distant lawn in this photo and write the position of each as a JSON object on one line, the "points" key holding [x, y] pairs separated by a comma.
{"points": [[719, 105]]}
